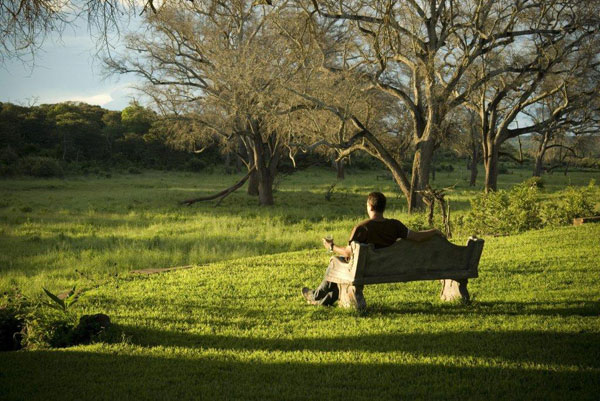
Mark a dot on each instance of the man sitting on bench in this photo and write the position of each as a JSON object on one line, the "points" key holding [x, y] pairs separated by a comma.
{"points": [[376, 230]]}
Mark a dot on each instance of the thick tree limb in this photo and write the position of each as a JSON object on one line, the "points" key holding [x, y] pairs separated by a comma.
{"points": [[221, 194]]}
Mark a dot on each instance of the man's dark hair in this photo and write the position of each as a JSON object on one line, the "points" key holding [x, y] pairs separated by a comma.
{"points": [[377, 201]]}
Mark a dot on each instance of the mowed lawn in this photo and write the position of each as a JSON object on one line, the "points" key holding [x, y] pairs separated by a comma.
{"points": [[238, 328]]}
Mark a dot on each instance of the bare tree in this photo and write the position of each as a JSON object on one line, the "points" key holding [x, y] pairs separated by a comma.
{"points": [[427, 53], [537, 69], [220, 64], [25, 24]]}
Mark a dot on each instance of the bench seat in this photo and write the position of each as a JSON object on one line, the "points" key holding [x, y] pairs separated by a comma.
{"points": [[434, 259]]}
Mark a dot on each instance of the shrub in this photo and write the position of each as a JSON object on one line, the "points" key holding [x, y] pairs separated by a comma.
{"points": [[505, 212], [8, 161], [575, 202], [503, 169], [445, 167], [417, 222], [34, 324], [524, 207], [44, 167], [47, 327], [195, 164], [488, 214]]}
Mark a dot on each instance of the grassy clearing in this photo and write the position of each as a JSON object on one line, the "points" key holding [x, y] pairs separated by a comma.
{"points": [[236, 326], [240, 330], [56, 232]]}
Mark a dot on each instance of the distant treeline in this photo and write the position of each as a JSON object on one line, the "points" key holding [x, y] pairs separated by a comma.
{"points": [[47, 139], [54, 139]]}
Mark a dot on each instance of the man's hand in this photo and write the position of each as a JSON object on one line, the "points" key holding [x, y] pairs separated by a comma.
{"points": [[328, 244]]}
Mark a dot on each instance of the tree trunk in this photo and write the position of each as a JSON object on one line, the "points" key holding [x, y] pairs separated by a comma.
{"points": [[537, 169], [253, 184], [265, 188], [490, 163], [340, 169], [420, 173], [227, 160], [474, 172], [473, 166], [539, 157], [266, 159]]}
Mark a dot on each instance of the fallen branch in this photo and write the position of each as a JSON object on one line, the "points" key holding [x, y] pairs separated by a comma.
{"points": [[221, 194]]}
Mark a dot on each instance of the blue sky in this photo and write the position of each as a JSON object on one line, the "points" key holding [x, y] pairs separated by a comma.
{"points": [[65, 68]]}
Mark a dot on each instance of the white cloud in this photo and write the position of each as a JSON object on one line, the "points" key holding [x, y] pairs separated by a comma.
{"points": [[100, 99]]}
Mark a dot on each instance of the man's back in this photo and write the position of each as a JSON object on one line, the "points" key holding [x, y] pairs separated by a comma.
{"points": [[379, 232]]}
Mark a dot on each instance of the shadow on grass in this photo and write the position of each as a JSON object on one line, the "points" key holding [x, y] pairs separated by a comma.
{"points": [[80, 375], [554, 348], [570, 308]]}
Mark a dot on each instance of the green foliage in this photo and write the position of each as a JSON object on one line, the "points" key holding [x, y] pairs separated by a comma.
{"points": [[62, 304], [78, 133], [443, 167], [8, 161], [44, 167], [32, 324], [417, 222], [521, 208], [505, 212], [136, 118], [47, 328], [503, 168], [574, 202]]}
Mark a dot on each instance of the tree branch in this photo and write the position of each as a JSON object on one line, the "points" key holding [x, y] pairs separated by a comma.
{"points": [[221, 194]]}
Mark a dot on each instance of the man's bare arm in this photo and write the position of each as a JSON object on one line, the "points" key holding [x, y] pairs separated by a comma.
{"points": [[419, 236], [344, 251]]}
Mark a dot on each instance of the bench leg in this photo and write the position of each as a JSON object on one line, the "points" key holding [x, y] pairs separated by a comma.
{"points": [[351, 296], [453, 290]]}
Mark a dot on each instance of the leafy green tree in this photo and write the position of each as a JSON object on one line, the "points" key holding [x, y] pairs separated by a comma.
{"points": [[137, 119]]}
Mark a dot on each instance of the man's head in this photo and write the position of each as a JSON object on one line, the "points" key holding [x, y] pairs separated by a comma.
{"points": [[376, 202]]}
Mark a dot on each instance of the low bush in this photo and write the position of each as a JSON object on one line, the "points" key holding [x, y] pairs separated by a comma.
{"points": [[36, 324], [503, 169], [521, 209], [195, 165], [43, 167], [8, 162], [574, 202], [47, 328], [444, 168]]}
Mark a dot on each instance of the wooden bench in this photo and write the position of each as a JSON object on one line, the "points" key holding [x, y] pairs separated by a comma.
{"points": [[434, 259]]}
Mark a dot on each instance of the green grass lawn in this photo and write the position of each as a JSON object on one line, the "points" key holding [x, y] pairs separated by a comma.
{"points": [[236, 326]]}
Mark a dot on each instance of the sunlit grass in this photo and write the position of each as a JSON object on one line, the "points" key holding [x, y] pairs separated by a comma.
{"points": [[236, 327], [49, 229], [239, 329]]}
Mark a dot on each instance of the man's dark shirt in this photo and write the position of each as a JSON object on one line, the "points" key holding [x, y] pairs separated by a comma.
{"points": [[380, 233]]}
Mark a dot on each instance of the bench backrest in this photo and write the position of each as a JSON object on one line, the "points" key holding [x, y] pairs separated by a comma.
{"points": [[436, 258]]}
